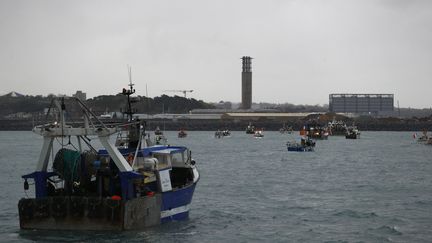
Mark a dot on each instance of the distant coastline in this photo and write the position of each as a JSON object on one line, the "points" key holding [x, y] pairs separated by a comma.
{"points": [[21, 113]]}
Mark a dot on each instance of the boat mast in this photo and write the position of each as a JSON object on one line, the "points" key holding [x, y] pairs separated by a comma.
{"points": [[128, 93], [136, 129]]}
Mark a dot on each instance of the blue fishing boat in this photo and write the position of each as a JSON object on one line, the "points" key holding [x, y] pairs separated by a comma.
{"points": [[126, 184], [306, 145]]}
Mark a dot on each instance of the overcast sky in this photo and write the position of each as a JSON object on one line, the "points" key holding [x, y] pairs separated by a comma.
{"points": [[303, 50]]}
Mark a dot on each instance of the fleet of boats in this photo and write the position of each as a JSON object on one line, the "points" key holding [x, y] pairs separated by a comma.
{"points": [[311, 132]]}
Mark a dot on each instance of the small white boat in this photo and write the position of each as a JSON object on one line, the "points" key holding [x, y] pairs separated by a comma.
{"points": [[259, 134]]}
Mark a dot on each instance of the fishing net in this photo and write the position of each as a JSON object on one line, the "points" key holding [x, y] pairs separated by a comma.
{"points": [[67, 164]]}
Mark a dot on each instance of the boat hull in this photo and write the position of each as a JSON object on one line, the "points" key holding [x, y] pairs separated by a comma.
{"points": [[300, 149], [175, 204], [87, 213], [352, 136]]}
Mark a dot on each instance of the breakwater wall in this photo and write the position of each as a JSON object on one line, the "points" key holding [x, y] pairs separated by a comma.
{"points": [[235, 125]]}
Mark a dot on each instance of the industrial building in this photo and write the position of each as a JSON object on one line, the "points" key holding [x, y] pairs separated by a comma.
{"points": [[80, 95], [246, 82], [361, 103]]}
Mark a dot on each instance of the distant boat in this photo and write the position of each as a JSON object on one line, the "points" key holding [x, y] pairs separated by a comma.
{"points": [[223, 133], [259, 133], [218, 134], [337, 128], [352, 133], [314, 132], [424, 138], [160, 140], [306, 145], [158, 131], [182, 133], [226, 133], [250, 129]]}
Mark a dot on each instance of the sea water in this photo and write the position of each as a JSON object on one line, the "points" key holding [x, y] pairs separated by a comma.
{"points": [[374, 189]]}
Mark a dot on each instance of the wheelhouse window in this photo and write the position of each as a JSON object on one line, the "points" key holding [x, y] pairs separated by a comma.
{"points": [[177, 158]]}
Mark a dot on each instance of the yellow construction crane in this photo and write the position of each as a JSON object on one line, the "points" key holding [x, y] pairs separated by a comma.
{"points": [[182, 91]]}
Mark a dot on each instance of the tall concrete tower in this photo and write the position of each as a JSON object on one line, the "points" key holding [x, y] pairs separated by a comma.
{"points": [[246, 82]]}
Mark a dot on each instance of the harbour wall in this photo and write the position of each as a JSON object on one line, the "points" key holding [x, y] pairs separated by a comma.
{"points": [[240, 125]]}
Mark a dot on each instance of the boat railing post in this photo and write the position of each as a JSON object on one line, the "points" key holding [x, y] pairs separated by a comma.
{"points": [[44, 155]]}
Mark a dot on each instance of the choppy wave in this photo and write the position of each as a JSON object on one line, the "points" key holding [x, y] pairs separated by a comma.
{"points": [[355, 214], [387, 230]]}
